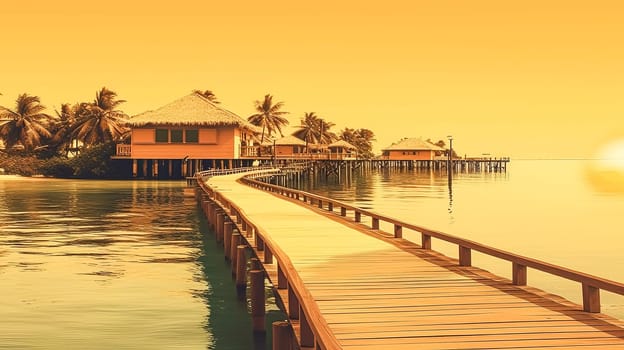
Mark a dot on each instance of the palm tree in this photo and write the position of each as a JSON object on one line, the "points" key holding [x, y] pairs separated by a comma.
{"points": [[99, 121], [325, 136], [26, 125], [207, 94], [269, 116], [362, 139], [62, 128], [308, 128]]}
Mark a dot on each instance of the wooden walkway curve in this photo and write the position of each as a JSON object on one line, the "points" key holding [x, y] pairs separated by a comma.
{"points": [[378, 292]]}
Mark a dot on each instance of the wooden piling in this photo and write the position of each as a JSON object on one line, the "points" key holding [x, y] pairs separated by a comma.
{"points": [[236, 239], [220, 217], [241, 267], [282, 339], [254, 264], [257, 300], [227, 238]]}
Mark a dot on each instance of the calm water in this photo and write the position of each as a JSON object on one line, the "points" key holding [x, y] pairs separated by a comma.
{"points": [[113, 265], [550, 210]]}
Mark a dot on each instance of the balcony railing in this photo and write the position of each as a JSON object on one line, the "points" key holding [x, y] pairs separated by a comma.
{"points": [[124, 150]]}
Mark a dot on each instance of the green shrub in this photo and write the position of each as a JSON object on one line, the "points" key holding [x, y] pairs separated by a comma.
{"points": [[19, 165], [94, 162]]}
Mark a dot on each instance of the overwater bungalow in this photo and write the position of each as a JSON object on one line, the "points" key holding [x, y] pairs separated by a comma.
{"points": [[290, 147], [341, 149], [413, 149], [188, 135]]}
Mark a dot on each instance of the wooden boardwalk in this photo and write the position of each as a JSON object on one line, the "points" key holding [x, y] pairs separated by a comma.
{"points": [[379, 292]]}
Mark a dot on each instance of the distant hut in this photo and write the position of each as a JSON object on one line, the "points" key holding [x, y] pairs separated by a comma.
{"points": [[412, 149], [290, 147], [341, 149], [187, 135]]}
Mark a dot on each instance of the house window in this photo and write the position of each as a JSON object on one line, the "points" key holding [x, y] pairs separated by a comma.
{"points": [[191, 136], [176, 136], [162, 135]]}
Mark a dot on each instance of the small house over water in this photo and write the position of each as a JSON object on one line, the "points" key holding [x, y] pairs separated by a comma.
{"points": [[413, 149], [187, 135], [341, 149], [290, 147]]}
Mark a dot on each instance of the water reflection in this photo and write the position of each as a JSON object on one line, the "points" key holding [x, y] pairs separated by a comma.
{"points": [[450, 195], [108, 265]]}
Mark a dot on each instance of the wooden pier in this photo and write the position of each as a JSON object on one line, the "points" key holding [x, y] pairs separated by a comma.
{"points": [[349, 280]]}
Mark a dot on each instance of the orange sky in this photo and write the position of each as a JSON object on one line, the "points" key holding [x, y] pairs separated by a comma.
{"points": [[524, 78]]}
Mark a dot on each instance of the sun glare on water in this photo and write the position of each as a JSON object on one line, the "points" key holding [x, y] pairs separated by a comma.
{"points": [[606, 172]]}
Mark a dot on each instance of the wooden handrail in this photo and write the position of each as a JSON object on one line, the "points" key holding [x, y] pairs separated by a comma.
{"points": [[590, 284], [324, 337]]}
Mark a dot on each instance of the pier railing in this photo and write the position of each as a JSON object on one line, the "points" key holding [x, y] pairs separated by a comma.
{"points": [[313, 329], [590, 284]]}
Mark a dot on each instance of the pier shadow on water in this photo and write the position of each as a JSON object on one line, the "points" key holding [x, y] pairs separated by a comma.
{"points": [[229, 315]]}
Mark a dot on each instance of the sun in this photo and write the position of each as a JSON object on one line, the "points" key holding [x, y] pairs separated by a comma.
{"points": [[606, 172], [611, 156]]}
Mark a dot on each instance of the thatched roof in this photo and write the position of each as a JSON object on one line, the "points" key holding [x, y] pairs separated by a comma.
{"points": [[341, 143], [192, 109], [290, 140], [413, 144]]}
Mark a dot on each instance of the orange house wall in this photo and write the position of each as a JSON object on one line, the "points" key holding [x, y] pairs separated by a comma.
{"points": [[286, 150], [420, 155], [144, 145]]}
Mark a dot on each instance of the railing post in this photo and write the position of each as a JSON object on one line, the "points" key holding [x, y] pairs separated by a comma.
{"points": [[293, 304], [465, 256], [518, 274], [398, 231], [320, 203], [591, 298], [259, 243], [343, 211], [425, 241], [282, 282], [358, 216], [330, 206], [305, 331], [268, 256], [375, 223]]}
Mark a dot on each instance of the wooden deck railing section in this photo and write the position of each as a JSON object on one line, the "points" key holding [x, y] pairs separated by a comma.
{"points": [[313, 329], [590, 285]]}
